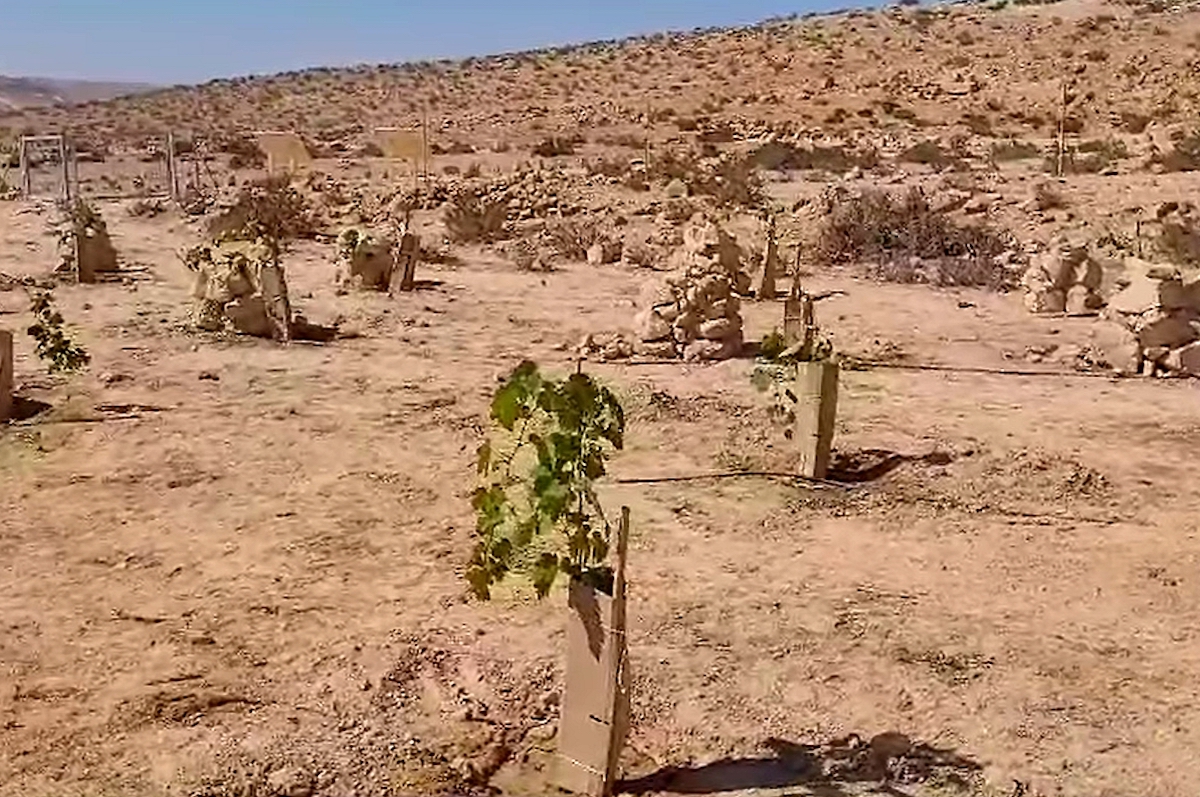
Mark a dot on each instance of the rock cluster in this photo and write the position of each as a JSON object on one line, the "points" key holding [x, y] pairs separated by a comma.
{"points": [[365, 262], [235, 285], [1063, 280], [696, 312], [1159, 314]]}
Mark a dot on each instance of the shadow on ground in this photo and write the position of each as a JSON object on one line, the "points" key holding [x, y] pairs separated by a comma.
{"points": [[870, 464], [25, 408], [891, 760]]}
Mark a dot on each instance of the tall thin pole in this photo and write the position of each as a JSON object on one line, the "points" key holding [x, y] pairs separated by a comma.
{"points": [[1062, 127], [173, 185], [26, 182], [66, 167], [425, 143]]}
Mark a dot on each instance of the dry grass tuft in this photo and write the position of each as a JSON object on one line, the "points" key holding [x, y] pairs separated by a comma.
{"points": [[906, 240], [472, 219]]}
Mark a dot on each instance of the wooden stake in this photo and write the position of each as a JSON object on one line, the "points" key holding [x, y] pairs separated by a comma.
{"points": [[65, 168], [1062, 127], [173, 184], [26, 179]]}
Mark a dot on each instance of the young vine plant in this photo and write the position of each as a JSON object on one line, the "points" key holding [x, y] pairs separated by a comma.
{"points": [[777, 369], [536, 507], [54, 348]]}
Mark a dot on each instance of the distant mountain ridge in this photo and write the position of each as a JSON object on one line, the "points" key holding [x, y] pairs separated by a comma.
{"points": [[17, 93]]}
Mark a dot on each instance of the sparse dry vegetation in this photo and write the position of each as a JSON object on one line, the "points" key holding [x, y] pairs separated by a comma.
{"points": [[905, 240], [618, 202], [472, 219]]}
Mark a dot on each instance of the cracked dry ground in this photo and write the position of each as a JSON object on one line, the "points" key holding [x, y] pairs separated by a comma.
{"points": [[254, 590]]}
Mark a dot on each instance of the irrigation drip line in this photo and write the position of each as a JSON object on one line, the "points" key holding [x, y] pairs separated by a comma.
{"points": [[967, 369], [738, 474], [866, 365]]}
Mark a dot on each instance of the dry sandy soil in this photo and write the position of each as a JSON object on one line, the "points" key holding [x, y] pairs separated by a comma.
{"points": [[234, 568]]}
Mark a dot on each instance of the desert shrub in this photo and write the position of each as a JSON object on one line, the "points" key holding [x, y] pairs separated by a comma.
{"points": [[978, 124], [1087, 157], [1135, 122], [554, 147], [1047, 197], [470, 218], [1184, 155], [1073, 125], [571, 238], [243, 152], [626, 140], [890, 233], [786, 157], [929, 153], [1179, 239], [672, 165], [732, 182], [270, 209], [527, 256], [608, 167], [1014, 150]]}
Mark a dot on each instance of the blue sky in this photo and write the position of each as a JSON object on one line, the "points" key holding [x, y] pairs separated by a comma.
{"points": [[185, 41]]}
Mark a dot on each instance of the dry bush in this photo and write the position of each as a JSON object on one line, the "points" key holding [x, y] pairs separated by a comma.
{"points": [[786, 157], [731, 183], [1088, 157], [608, 167], [243, 152], [1135, 122], [626, 140], [525, 255], [1184, 156], [268, 207], [891, 232], [931, 153], [453, 148], [571, 238], [1014, 151], [1179, 238], [978, 124], [554, 147], [474, 219], [1047, 197]]}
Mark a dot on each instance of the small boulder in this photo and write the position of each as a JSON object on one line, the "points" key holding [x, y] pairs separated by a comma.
{"points": [[658, 349], [1188, 359], [1159, 329], [717, 329], [1082, 301], [1045, 301], [1119, 347], [651, 326]]}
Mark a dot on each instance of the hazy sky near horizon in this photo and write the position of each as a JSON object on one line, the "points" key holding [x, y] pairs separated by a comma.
{"points": [[173, 41]]}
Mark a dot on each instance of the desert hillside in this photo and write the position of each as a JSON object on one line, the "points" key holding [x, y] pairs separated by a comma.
{"points": [[254, 470], [19, 93], [992, 69]]}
